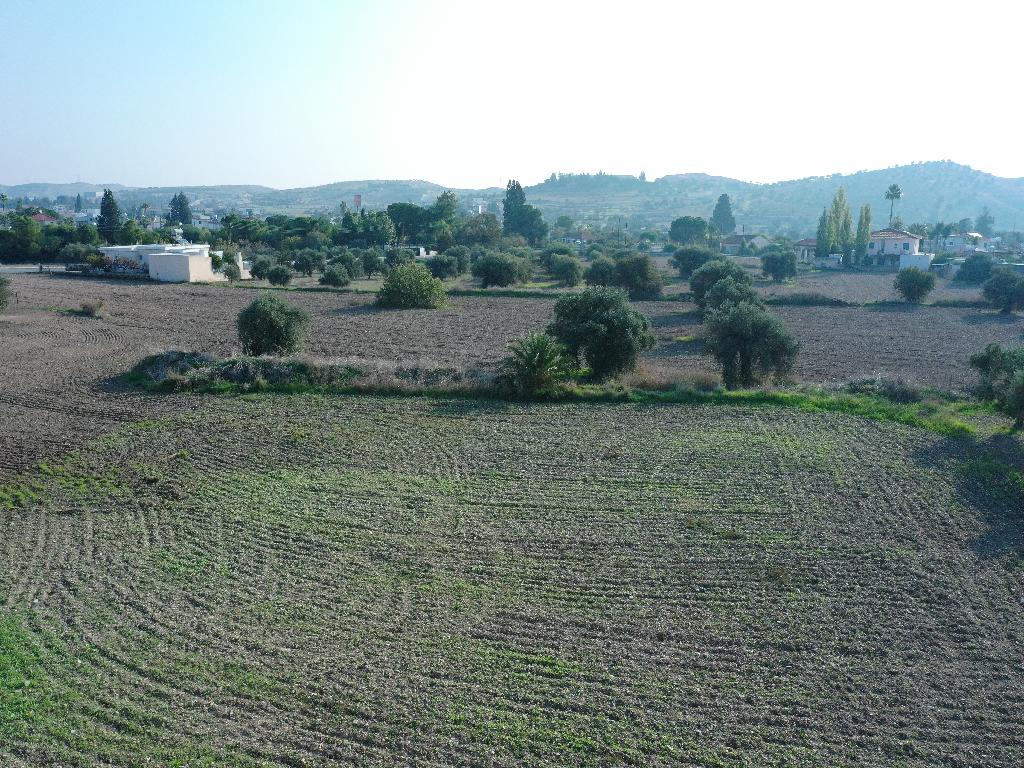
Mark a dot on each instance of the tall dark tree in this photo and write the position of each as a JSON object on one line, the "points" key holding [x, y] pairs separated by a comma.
{"points": [[78, 203], [515, 201], [826, 235], [688, 229], [180, 211], [892, 194], [985, 223], [722, 216], [444, 208], [109, 222]]}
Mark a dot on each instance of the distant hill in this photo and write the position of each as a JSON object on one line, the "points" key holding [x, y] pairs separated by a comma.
{"points": [[932, 191]]}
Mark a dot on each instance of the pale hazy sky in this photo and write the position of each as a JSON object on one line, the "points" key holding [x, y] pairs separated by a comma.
{"points": [[469, 94]]}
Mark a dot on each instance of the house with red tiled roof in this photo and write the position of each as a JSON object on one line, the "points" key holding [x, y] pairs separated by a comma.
{"points": [[887, 246], [43, 218]]}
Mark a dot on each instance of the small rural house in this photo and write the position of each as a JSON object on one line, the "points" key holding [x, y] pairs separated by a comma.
{"points": [[887, 246], [806, 250], [733, 244], [175, 263], [43, 218]]}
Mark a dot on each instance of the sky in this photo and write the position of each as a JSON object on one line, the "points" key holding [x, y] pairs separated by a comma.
{"points": [[470, 94]]}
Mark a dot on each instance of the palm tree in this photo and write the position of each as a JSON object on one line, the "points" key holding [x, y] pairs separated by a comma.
{"points": [[892, 194], [143, 210], [3, 202]]}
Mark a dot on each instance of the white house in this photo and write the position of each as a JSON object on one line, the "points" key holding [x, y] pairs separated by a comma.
{"points": [[887, 246], [806, 250], [733, 244], [175, 263]]}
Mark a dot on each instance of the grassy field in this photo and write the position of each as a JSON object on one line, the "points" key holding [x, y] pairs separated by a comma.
{"points": [[295, 580]]}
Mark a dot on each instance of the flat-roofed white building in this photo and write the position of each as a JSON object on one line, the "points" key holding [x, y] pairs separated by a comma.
{"points": [[175, 263]]}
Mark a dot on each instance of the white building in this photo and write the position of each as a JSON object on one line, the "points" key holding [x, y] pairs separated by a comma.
{"points": [[888, 246], [175, 263]]}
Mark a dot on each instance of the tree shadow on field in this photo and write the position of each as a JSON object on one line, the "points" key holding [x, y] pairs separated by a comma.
{"points": [[988, 475], [989, 318], [466, 406], [676, 319], [896, 307]]}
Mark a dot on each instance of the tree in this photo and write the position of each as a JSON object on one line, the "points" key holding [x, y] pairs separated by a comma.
{"points": [[232, 272], [985, 223], [722, 216], [842, 223], [180, 211], [892, 194], [601, 272], [307, 261], [860, 243], [515, 201], [336, 276], [689, 258], [976, 269], [109, 222], [443, 266], [1002, 379], [279, 274], [444, 208], [271, 326], [78, 203], [537, 365], [779, 262], [826, 235], [748, 344], [1005, 289], [482, 229], [688, 229], [638, 275], [411, 286], [729, 290], [705, 277], [410, 220], [3, 202], [600, 327], [914, 284], [500, 269], [567, 269]]}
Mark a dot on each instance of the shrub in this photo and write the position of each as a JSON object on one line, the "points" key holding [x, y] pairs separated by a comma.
{"points": [[601, 272], [501, 269], [307, 261], [638, 275], [443, 266], [335, 276], [77, 252], [728, 290], [599, 326], [1004, 289], [713, 271], [261, 266], [232, 272], [567, 269], [373, 262], [1012, 402], [778, 263], [397, 256], [411, 286], [996, 366], [914, 284], [556, 249], [537, 365], [93, 308], [5, 293], [462, 257], [976, 269], [748, 343], [279, 274], [271, 326], [345, 259], [689, 258]]}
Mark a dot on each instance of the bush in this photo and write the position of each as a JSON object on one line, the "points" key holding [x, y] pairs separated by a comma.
{"points": [[93, 308], [557, 249], [568, 270], [336, 276], [411, 286], [748, 343], [1012, 402], [373, 262], [538, 365], [914, 284], [728, 290], [5, 293], [397, 256], [976, 269], [308, 261], [345, 259], [77, 252], [689, 258], [1005, 289], [260, 267], [501, 269], [462, 257], [713, 271], [601, 272], [599, 326], [271, 326], [779, 263], [279, 274], [443, 266], [638, 275], [996, 366], [232, 272]]}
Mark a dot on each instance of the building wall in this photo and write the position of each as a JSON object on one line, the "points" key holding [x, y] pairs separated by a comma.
{"points": [[181, 268], [919, 260]]}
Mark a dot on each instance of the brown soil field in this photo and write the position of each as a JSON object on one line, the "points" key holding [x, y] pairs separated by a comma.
{"points": [[306, 581], [56, 384]]}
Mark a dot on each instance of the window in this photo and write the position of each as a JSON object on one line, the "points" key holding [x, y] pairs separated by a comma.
{"points": [[906, 246], [871, 246]]}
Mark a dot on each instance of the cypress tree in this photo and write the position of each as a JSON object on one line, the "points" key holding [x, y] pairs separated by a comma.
{"points": [[109, 222], [180, 211], [826, 235], [722, 215], [515, 202], [860, 248], [78, 203], [842, 223]]}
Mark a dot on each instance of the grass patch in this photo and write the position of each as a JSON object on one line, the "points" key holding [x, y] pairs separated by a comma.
{"points": [[21, 701]]}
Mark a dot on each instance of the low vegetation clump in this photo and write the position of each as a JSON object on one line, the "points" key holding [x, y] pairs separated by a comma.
{"points": [[638, 276], [730, 291], [601, 272], [279, 274], [689, 258], [894, 390], [914, 284], [335, 276], [568, 270], [748, 343], [232, 272], [411, 286], [501, 270], [5, 293], [537, 365], [261, 267], [976, 269], [443, 266], [1005, 290], [308, 260], [600, 327], [713, 271], [1001, 379], [93, 308], [778, 262], [272, 326]]}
